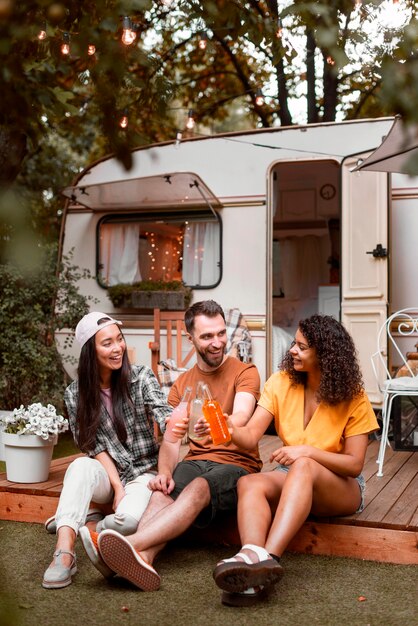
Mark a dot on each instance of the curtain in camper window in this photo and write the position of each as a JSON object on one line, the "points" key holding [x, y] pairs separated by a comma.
{"points": [[119, 253], [302, 265], [200, 246]]}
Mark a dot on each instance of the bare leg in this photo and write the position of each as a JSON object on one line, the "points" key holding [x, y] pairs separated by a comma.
{"points": [[171, 520], [157, 503], [307, 487], [65, 541], [258, 497]]}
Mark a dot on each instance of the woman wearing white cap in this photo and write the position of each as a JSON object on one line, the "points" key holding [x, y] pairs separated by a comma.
{"points": [[111, 409]]}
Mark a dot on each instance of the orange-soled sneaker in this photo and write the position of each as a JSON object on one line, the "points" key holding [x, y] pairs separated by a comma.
{"points": [[124, 560], [89, 540]]}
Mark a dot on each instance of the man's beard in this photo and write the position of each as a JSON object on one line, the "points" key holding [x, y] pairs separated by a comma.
{"points": [[214, 361]]}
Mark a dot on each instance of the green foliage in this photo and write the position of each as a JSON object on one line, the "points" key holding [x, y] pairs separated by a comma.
{"points": [[33, 305], [165, 72], [118, 294]]}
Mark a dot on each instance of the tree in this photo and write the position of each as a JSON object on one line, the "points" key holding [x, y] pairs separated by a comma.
{"points": [[311, 50]]}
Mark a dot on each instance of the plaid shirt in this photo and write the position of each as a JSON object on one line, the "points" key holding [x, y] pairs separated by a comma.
{"points": [[139, 453]]}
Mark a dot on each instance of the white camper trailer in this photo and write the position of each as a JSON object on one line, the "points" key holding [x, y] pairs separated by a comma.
{"points": [[273, 222]]}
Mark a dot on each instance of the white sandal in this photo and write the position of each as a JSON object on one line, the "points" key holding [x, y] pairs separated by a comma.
{"points": [[239, 574]]}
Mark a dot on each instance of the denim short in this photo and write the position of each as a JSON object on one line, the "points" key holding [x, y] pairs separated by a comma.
{"points": [[222, 479], [360, 479]]}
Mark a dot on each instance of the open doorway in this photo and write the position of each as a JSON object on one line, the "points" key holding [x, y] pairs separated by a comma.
{"points": [[306, 215]]}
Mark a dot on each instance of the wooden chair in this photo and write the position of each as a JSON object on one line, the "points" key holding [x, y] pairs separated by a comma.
{"points": [[176, 331]]}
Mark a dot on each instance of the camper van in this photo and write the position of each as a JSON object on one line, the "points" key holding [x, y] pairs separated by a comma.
{"points": [[274, 222]]}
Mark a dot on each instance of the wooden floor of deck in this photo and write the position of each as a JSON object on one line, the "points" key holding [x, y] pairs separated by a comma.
{"points": [[386, 530]]}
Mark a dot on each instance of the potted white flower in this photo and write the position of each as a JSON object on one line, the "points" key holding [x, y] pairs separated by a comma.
{"points": [[29, 435]]}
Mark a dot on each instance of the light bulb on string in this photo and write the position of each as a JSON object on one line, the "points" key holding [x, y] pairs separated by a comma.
{"points": [[91, 49], [279, 31], [203, 41], [259, 98], [330, 61], [128, 33], [42, 32], [65, 46], [190, 124], [123, 122]]}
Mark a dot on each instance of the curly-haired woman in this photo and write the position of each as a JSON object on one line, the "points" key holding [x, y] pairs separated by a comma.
{"points": [[323, 418]]}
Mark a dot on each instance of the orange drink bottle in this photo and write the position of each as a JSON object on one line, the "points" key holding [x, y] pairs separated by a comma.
{"points": [[178, 415], [214, 416]]}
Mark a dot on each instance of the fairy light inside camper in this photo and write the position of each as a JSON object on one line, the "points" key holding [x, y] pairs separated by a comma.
{"points": [[166, 248]]}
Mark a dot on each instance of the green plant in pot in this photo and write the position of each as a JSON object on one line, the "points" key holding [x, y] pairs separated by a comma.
{"points": [[150, 294]]}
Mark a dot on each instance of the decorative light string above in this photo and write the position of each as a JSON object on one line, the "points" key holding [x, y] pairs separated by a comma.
{"points": [[129, 30], [65, 46]]}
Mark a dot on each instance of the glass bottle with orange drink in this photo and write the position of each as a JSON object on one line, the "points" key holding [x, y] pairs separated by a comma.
{"points": [[213, 414]]}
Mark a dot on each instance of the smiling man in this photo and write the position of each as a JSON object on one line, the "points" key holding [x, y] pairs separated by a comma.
{"points": [[193, 491]]}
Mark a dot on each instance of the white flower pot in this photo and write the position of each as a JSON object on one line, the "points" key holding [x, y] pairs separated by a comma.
{"points": [[28, 457], [2, 452]]}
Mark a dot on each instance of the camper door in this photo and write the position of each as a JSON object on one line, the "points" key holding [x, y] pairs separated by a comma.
{"points": [[364, 295]]}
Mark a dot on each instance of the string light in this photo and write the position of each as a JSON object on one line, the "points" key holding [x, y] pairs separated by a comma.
{"points": [[91, 49], [42, 33], [65, 46], [203, 41], [128, 32], [259, 98], [279, 31], [123, 122], [190, 124], [330, 61]]}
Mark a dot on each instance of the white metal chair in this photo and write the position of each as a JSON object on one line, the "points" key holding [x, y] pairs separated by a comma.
{"points": [[403, 323]]}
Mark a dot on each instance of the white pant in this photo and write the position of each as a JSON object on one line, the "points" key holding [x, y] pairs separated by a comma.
{"points": [[85, 480]]}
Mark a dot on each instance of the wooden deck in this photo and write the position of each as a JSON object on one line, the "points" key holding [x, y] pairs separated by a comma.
{"points": [[386, 530]]}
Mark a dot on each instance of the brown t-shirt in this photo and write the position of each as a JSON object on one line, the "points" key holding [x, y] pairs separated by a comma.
{"points": [[224, 382]]}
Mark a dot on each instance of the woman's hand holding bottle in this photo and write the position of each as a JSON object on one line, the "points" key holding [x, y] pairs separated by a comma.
{"points": [[177, 425]]}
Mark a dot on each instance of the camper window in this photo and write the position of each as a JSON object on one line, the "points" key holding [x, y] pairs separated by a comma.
{"points": [[183, 247]]}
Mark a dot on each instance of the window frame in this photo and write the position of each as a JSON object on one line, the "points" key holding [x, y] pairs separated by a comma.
{"points": [[147, 216]]}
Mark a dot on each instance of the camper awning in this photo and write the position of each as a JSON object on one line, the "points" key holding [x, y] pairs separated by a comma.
{"points": [[397, 153], [165, 191]]}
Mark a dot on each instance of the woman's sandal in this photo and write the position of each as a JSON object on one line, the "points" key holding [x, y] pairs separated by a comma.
{"points": [[239, 574], [58, 575]]}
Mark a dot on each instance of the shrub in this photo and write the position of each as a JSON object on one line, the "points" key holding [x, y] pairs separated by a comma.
{"points": [[33, 305]]}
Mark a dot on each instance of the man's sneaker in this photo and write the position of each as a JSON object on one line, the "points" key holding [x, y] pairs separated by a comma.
{"points": [[89, 540]]}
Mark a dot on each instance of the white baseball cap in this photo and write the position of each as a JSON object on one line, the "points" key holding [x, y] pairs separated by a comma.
{"points": [[89, 325]]}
